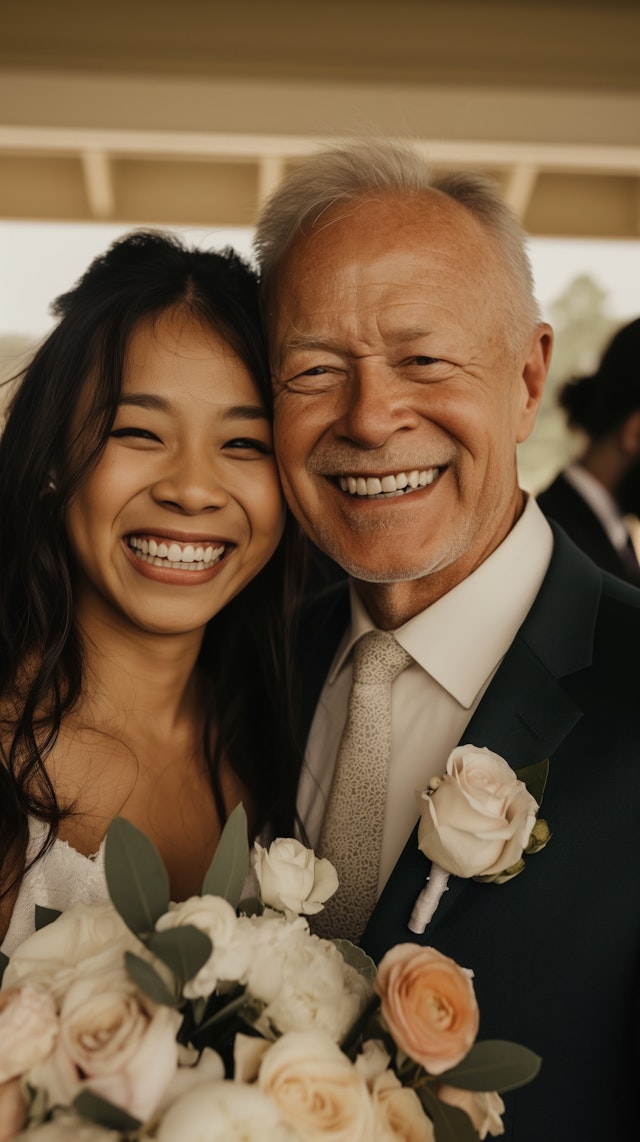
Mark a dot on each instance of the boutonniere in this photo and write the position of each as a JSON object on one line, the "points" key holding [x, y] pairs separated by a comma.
{"points": [[479, 819]]}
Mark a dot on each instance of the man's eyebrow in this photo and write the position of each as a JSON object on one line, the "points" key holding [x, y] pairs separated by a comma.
{"points": [[155, 403], [309, 341]]}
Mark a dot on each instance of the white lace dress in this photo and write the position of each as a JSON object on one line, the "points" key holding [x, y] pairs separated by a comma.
{"points": [[62, 877]]}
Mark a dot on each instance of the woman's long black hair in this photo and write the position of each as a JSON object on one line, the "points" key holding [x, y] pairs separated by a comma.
{"points": [[245, 649]]}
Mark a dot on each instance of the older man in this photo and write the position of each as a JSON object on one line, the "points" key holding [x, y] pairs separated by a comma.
{"points": [[409, 361]]}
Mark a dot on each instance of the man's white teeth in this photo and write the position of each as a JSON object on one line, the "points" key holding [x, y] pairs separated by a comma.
{"points": [[187, 558], [396, 485]]}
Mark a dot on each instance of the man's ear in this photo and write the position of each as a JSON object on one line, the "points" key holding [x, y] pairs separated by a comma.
{"points": [[629, 434], [535, 366]]}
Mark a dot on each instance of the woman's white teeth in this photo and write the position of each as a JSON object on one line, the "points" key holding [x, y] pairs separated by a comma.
{"points": [[174, 555], [396, 485]]}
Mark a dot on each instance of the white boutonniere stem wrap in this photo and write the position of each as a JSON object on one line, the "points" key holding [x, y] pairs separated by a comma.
{"points": [[477, 820]]}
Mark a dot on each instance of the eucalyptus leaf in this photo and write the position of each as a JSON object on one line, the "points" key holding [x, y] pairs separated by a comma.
{"points": [[45, 916], [105, 1113], [494, 1065], [136, 877], [535, 778], [4, 960], [229, 867], [184, 949], [449, 1123], [145, 976], [357, 958]]}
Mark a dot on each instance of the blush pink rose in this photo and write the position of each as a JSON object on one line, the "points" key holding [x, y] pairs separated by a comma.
{"points": [[429, 1005], [28, 1029]]}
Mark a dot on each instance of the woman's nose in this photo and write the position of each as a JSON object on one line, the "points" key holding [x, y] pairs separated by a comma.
{"points": [[191, 485]]}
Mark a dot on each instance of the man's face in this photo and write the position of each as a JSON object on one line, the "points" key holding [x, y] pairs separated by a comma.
{"points": [[398, 402]]}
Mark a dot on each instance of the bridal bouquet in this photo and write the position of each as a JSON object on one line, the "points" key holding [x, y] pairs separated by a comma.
{"points": [[225, 1018]]}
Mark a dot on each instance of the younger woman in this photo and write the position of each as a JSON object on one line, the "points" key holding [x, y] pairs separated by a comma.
{"points": [[138, 497]]}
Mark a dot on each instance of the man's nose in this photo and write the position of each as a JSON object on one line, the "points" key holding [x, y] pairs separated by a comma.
{"points": [[376, 405], [191, 484]]}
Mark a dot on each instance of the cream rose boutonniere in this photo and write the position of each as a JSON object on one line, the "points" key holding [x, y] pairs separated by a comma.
{"points": [[477, 820]]}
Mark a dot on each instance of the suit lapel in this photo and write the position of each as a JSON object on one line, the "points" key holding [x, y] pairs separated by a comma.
{"points": [[524, 716]]}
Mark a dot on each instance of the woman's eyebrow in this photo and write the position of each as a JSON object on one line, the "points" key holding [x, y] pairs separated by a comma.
{"points": [[159, 404]]}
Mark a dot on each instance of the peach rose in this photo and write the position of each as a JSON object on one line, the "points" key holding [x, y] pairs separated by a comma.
{"points": [[28, 1029], [13, 1109], [429, 1004], [485, 1108], [477, 818], [317, 1089]]}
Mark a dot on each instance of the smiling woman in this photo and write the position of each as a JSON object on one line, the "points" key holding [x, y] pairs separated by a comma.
{"points": [[139, 497]]}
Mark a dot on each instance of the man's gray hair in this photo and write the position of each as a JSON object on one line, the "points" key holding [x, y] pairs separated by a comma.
{"points": [[370, 169]]}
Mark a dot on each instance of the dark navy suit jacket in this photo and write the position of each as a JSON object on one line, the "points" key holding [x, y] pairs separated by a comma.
{"points": [[556, 951]]}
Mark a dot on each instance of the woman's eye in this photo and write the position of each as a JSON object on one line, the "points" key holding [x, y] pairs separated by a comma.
{"points": [[248, 444], [137, 433]]}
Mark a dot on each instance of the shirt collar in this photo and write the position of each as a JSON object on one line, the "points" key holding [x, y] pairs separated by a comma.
{"points": [[461, 638]]}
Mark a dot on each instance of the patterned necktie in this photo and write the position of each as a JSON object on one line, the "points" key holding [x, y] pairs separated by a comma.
{"points": [[351, 836]]}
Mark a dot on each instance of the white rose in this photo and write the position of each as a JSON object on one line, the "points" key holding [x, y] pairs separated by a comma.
{"points": [[399, 1110], [91, 934], [231, 955], [220, 1111], [112, 1041], [317, 1088], [485, 1108], [28, 1029], [68, 1126], [477, 818], [304, 982], [292, 879], [194, 1069]]}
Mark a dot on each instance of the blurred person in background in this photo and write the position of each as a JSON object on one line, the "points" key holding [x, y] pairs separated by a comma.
{"points": [[592, 496]]}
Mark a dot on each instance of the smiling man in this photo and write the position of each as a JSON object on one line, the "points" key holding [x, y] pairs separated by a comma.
{"points": [[409, 361]]}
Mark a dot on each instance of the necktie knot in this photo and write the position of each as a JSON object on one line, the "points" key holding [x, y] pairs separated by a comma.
{"points": [[378, 659]]}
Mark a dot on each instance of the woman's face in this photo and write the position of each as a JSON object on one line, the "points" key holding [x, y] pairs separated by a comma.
{"points": [[184, 506]]}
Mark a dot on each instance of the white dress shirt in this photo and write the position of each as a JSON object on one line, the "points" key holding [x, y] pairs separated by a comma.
{"points": [[457, 645], [601, 502]]}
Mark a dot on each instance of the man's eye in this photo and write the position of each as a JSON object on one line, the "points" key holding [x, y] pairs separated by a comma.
{"points": [[423, 361], [137, 433]]}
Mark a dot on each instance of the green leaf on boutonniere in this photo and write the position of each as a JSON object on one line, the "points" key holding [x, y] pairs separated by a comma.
{"points": [[540, 836], [535, 778], [184, 949], [145, 976], [45, 916], [136, 877], [105, 1113], [449, 1123], [229, 867], [494, 1065]]}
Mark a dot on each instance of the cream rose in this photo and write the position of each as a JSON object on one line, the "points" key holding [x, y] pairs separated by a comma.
{"points": [[429, 1005], [485, 1108], [28, 1029], [231, 955], [292, 879], [400, 1110], [220, 1111], [66, 1127], [477, 818], [317, 1089], [114, 1042], [91, 934]]}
